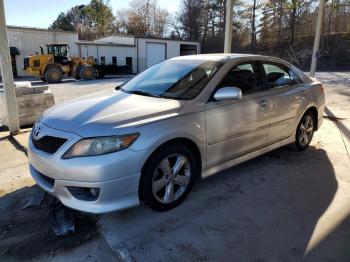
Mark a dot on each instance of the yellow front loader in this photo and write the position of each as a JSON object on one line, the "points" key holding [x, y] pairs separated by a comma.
{"points": [[51, 67]]}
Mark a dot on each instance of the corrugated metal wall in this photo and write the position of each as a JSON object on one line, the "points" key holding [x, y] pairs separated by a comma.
{"points": [[28, 41], [110, 51]]}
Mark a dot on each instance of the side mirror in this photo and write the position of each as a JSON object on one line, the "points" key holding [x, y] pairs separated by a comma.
{"points": [[228, 93]]}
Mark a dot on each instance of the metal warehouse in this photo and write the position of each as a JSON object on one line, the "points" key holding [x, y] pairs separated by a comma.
{"points": [[134, 53]]}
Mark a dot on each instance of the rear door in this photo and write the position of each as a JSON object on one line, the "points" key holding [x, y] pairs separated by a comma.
{"points": [[288, 97]]}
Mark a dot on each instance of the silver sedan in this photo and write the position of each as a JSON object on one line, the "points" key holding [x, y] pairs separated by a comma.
{"points": [[189, 117]]}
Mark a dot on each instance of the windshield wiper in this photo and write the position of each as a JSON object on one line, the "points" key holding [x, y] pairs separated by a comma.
{"points": [[142, 93]]}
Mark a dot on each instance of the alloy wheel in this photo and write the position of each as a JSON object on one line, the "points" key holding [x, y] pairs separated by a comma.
{"points": [[306, 130], [171, 178]]}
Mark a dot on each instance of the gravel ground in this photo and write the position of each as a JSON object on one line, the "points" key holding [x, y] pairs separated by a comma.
{"points": [[282, 206]]}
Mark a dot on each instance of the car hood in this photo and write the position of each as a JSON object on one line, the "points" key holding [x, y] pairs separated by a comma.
{"points": [[107, 112]]}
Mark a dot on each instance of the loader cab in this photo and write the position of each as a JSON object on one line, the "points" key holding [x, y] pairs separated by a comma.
{"points": [[60, 53]]}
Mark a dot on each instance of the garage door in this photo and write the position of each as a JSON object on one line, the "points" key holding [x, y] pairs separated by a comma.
{"points": [[155, 53]]}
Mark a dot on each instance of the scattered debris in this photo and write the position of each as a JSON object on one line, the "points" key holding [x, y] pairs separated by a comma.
{"points": [[3, 234], [62, 218], [33, 198]]}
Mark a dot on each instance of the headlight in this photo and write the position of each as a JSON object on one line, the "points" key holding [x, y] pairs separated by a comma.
{"points": [[100, 145]]}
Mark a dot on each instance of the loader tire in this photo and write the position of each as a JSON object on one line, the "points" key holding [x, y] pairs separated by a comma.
{"points": [[54, 75], [87, 72]]}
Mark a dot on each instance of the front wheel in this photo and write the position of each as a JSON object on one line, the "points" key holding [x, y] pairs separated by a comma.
{"points": [[54, 75], [168, 177], [87, 72], [305, 131]]}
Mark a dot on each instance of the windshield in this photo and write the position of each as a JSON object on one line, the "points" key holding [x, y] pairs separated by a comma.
{"points": [[57, 50], [175, 79]]}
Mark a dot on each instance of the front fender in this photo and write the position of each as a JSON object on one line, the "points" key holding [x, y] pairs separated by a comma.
{"points": [[191, 126]]}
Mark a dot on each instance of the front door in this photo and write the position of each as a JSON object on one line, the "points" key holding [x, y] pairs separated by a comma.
{"points": [[236, 128]]}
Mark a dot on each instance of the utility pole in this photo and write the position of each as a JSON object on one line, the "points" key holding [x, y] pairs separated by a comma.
{"points": [[317, 38], [7, 75], [228, 27]]}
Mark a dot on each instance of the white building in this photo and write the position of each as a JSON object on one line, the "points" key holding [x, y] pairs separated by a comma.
{"points": [[137, 53], [25, 41]]}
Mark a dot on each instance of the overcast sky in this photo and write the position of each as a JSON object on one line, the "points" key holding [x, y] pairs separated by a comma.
{"points": [[41, 13]]}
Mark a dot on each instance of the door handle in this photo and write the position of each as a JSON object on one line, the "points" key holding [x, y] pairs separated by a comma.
{"points": [[263, 103]]}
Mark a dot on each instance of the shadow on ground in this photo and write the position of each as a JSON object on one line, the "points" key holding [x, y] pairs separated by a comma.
{"points": [[26, 233], [263, 210]]}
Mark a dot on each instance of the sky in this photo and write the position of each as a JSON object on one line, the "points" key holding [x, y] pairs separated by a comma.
{"points": [[41, 13]]}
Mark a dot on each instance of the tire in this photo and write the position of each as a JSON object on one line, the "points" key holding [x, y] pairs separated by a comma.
{"points": [[156, 184], [305, 131], [87, 72], [100, 74], [54, 75]]}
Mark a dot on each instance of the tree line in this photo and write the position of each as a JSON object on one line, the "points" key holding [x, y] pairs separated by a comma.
{"points": [[255, 22]]}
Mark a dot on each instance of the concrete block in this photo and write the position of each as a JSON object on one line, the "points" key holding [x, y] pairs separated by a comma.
{"points": [[41, 89], [31, 103]]}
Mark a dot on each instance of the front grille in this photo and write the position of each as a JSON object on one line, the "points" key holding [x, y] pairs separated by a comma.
{"points": [[48, 144]]}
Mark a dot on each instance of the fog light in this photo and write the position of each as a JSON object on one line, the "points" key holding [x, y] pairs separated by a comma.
{"points": [[84, 193], [95, 192]]}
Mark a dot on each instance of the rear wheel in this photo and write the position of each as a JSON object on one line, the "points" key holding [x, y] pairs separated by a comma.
{"points": [[53, 75], [87, 72], [305, 131], [168, 177]]}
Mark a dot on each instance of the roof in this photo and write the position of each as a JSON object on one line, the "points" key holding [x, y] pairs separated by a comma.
{"points": [[166, 39], [103, 44], [149, 37], [214, 57], [39, 29]]}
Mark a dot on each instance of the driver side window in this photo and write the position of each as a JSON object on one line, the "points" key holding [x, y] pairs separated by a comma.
{"points": [[242, 76]]}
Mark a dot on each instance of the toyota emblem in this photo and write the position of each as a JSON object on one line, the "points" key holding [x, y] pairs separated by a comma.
{"points": [[36, 131]]}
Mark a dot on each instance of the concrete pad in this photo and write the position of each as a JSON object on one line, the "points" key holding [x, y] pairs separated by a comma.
{"points": [[344, 127], [283, 206], [328, 130], [14, 163]]}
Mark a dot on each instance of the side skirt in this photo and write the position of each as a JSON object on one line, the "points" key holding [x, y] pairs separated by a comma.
{"points": [[233, 162]]}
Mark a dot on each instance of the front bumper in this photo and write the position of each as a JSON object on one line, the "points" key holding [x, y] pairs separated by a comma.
{"points": [[115, 175], [114, 194]]}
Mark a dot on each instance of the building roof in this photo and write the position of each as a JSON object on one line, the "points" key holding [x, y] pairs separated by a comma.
{"points": [[39, 29], [103, 44], [148, 37]]}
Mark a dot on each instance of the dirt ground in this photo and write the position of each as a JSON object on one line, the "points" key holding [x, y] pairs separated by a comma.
{"points": [[283, 206]]}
